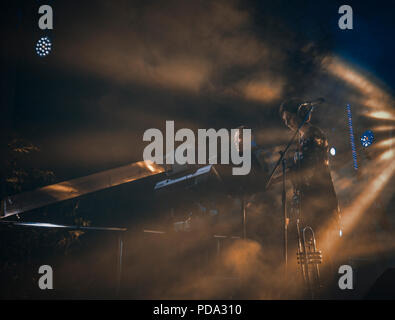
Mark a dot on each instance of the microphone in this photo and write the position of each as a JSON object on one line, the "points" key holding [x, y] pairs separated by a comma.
{"points": [[306, 108]]}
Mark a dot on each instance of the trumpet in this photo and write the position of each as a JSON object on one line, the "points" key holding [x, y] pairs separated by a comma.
{"points": [[309, 259]]}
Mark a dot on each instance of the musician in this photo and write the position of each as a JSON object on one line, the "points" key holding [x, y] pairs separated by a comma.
{"points": [[309, 171]]}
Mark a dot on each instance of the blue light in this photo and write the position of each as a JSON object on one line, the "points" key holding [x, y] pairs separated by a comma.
{"points": [[351, 132], [43, 47], [367, 138], [332, 151]]}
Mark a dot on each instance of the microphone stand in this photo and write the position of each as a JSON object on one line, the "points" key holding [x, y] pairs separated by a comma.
{"points": [[282, 160]]}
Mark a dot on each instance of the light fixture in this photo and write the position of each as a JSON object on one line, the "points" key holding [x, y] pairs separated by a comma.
{"points": [[43, 47], [351, 132], [367, 138]]}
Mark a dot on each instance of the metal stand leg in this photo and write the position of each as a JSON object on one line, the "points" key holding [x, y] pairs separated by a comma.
{"points": [[284, 207], [243, 209], [119, 264]]}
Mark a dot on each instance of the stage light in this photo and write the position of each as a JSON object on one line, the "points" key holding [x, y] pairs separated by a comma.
{"points": [[43, 47], [351, 132], [332, 151], [367, 138]]}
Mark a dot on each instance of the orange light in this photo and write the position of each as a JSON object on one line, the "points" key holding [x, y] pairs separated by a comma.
{"points": [[381, 115]]}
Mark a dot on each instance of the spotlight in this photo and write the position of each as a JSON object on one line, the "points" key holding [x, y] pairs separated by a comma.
{"points": [[367, 138], [332, 151], [43, 47]]}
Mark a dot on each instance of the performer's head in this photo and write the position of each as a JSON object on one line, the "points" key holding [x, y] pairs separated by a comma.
{"points": [[293, 112]]}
